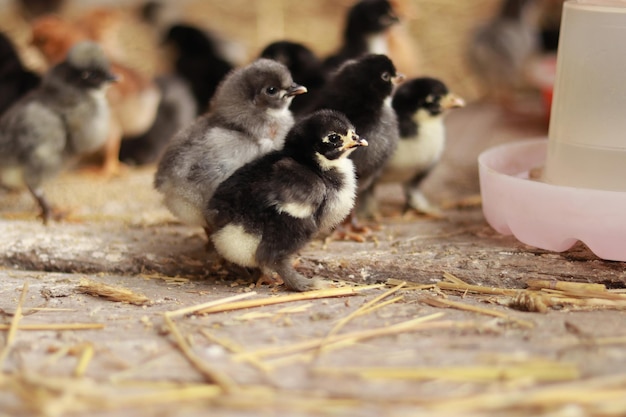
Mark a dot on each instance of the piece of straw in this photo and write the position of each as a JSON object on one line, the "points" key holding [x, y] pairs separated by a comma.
{"points": [[440, 302], [420, 323], [13, 327], [303, 296], [539, 284], [364, 309], [544, 372], [55, 326], [109, 292], [212, 375], [232, 347], [208, 304], [84, 360]]}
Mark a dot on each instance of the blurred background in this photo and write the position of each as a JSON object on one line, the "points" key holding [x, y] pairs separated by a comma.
{"points": [[441, 31]]}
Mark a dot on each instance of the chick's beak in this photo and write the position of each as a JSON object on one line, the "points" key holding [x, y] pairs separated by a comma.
{"points": [[389, 20], [354, 141], [398, 79], [452, 101], [295, 90]]}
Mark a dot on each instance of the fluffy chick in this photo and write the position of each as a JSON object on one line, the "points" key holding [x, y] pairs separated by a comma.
{"points": [[65, 117], [305, 67], [420, 104], [365, 32], [501, 49], [249, 117], [362, 90], [177, 109], [134, 100], [15, 79], [272, 207], [198, 61]]}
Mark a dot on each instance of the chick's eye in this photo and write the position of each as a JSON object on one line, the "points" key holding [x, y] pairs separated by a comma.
{"points": [[85, 75], [271, 91], [334, 138], [386, 76]]}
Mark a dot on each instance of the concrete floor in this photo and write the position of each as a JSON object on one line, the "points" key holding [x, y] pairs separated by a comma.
{"points": [[561, 363]]}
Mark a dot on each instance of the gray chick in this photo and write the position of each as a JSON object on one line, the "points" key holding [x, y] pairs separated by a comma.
{"points": [[249, 117], [501, 49], [65, 117]]}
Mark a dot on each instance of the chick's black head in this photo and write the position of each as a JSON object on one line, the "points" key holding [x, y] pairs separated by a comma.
{"points": [[420, 93], [326, 133], [295, 56], [370, 17], [268, 84], [371, 76], [10, 62], [189, 40], [85, 66]]}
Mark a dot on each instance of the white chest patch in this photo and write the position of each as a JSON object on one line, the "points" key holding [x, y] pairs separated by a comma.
{"points": [[266, 145], [377, 44], [418, 153], [90, 131], [237, 245], [339, 205], [279, 113], [300, 211]]}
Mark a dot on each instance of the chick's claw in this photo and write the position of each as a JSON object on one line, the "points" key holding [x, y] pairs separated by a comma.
{"points": [[269, 279]]}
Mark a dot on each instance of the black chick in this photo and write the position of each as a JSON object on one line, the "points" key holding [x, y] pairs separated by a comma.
{"points": [[362, 90], [198, 61], [15, 79], [365, 28], [177, 109], [272, 207], [420, 104], [305, 67]]}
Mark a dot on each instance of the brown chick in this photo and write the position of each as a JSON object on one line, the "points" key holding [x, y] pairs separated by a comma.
{"points": [[133, 100]]}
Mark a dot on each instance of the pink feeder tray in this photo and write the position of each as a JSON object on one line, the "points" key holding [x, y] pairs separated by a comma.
{"points": [[548, 216]]}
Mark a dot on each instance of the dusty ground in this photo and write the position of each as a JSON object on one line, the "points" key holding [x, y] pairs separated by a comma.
{"points": [[407, 353], [563, 362]]}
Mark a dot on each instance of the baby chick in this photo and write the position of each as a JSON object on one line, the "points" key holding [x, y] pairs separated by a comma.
{"points": [[198, 61], [177, 109], [133, 100], [501, 49], [421, 104], [66, 116], [362, 90], [305, 68], [272, 207], [365, 32], [249, 117], [15, 80]]}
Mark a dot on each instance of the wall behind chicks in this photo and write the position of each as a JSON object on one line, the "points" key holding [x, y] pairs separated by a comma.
{"points": [[439, 30]]}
